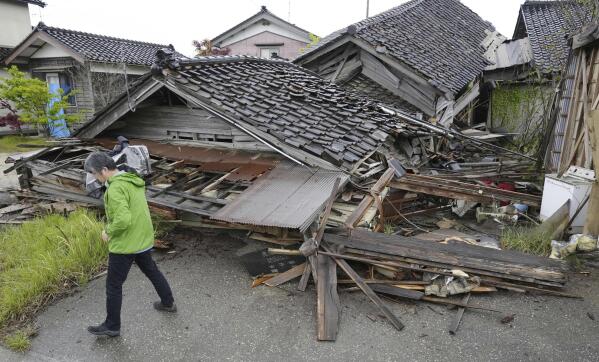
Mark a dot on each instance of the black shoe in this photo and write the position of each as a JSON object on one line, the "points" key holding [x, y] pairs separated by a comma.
{"points": [[101, 330], [164, 308]]}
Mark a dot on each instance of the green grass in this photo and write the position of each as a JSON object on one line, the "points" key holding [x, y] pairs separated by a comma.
{"points": [[11, 143], [528, 240], [41, 259], [19, 341]]}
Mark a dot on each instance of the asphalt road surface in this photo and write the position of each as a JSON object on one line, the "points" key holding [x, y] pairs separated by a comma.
{"points": [[221, 318]]}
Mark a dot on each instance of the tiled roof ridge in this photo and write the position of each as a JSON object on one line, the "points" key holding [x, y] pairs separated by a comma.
{"points": [[546, 2], [396, 10], [43, 27]]}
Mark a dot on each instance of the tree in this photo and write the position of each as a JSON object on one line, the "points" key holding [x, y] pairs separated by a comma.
{"points": [[33, 102], [314, 40], [205, 48]]}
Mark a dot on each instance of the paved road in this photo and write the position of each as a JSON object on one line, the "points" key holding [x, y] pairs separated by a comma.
{"points": [[9, 180], [221, 318]]}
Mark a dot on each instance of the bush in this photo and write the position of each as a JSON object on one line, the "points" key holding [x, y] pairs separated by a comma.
{"points": [[42, 258], [528, 240], [18, 341]]}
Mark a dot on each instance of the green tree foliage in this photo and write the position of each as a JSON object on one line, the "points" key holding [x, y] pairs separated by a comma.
{"points": [[30, 97], [206, 48], [314, 39]]}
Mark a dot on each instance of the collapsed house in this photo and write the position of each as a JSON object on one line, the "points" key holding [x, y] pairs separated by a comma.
{"points": [[420, 57], [527, 69], [571, 141]]}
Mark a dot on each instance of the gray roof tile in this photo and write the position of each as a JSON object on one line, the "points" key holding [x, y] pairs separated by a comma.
{"points": [[107, 49], [313, 123], [440, 39], [548, 24]]}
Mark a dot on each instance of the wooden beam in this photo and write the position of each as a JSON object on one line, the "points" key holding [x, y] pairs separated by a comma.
{"points": [[591, 225], [369, 293], [284, 277], [303, 283], [328, 306], [455, 324]]}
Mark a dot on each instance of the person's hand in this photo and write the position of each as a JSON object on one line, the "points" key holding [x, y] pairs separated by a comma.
{"points": [[105, 236]]}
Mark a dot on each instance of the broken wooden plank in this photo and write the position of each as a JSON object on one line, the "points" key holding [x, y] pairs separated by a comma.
{"points": [[370, 293], [303, 283], [327, 211], [479, 260], [417, 295], [284, 277], [359, 212], [455, 324], [328, 306]]}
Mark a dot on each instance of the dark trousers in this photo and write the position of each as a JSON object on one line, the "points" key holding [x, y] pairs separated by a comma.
{"points": [[118, 268]]}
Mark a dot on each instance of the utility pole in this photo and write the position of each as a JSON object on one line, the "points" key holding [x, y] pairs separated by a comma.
{"points": [[367, 8]]}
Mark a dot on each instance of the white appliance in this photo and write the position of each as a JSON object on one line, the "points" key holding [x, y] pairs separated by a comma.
{"points": [[574, 185]]}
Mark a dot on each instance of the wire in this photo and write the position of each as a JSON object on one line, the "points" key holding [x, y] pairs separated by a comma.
{"points": [[132, 109]]}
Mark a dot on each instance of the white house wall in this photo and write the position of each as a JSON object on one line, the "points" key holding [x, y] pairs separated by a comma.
{"points": [[15, 23], [260, 27], [49, 51], [118, 68]]}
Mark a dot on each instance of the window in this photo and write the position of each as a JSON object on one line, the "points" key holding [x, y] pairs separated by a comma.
{"points": [[268, 52], [59, 80]]}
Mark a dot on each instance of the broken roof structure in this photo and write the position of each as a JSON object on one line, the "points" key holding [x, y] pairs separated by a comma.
{"points": [[424, 52], [277, 103], [33, 2], [85, 47], [548, 25]]}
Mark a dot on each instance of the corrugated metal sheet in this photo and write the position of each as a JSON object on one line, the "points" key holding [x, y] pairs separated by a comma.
{"points": [[557, 140], [511, 53], [290, 196]]}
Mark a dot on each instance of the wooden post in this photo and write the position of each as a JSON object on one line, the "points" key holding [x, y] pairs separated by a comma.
{"points": [[328, 306], [591, 225]]}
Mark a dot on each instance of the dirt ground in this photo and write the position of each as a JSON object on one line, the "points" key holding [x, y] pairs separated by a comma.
{"points": [[221, 318]]}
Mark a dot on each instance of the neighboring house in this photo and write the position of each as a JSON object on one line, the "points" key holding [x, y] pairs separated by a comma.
{"points": [[263, 35], [421, 56], [527, 68], [15, 23], [97, 67]]}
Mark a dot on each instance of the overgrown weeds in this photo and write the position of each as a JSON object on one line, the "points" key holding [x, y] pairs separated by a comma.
{"points": [[41, 259], [528, 240], [20, 341]]}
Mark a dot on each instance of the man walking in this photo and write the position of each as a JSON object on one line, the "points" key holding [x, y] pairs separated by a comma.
{"points": [[130, 237]]}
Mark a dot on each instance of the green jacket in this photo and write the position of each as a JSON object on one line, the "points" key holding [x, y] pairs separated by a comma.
{"points": [[129, 224]]}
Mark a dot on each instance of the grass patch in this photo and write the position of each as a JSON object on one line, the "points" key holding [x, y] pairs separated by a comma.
{"points": [[19, 341], [11, 143], [528, 240], [42, 259]]}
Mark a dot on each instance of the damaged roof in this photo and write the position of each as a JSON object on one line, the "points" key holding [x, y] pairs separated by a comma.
{"points": [[364, 85], [439, 39], [33, 2], [4, 52], [548, 24], [288, 103], [98, 48]]}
